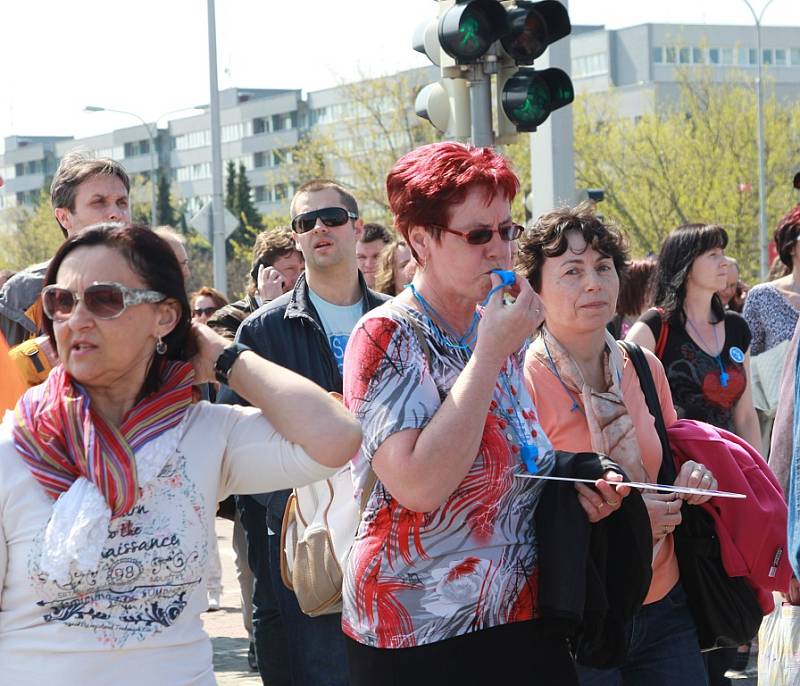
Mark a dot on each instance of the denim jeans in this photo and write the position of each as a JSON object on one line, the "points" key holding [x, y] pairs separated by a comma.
{"points": [[292, 648], [662, 648]]}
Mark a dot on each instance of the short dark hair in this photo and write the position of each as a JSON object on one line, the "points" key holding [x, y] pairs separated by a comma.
{"points": [[678, 253], [316, 185], [76, 167], [786, 235], [151, 258], [376, 232], [548, 238]]}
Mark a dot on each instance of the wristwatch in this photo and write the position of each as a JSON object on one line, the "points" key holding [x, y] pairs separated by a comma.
{"points": [[222, 367]]}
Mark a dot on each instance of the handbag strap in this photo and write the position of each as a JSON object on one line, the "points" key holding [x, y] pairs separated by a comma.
{"points": [[666, 473], [663, 334]]}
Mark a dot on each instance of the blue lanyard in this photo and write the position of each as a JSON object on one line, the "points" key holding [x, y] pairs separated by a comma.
{"points": [[529, 452]]}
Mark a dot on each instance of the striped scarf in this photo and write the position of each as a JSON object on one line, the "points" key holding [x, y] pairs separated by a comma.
{"points": [[62, 438]]}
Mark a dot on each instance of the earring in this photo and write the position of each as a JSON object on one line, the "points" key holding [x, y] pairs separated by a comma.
{"points": [[161, 347]]}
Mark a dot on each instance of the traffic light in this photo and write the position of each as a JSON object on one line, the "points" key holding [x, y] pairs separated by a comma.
{"points": [[471, 40]]}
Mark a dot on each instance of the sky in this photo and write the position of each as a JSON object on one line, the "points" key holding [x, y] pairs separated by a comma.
{"points": [[150, 57]]}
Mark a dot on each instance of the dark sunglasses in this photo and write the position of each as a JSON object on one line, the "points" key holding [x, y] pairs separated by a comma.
{"points": [[329, 216], [103, 300], [483, 236], [204, 311]]}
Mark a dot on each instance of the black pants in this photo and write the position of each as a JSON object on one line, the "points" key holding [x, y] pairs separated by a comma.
{"points": [[513, 653]]}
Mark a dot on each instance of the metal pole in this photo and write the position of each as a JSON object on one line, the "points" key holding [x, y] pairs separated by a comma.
{"points": [[218, 205], [153, 178], [762, 174], [480, 105]]}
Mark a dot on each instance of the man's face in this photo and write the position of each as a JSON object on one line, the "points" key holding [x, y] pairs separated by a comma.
{"points": [[323, 246], [101, 198], [368, 256]]}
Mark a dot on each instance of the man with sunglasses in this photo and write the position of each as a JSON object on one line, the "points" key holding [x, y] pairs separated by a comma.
{"points": [[305, 330]]}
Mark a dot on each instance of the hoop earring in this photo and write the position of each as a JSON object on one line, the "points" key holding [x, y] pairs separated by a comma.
{"points": [[161, 347]]}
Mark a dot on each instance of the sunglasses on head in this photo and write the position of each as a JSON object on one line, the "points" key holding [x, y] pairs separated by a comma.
{"points": [[204, 311], [103, 300], [482, 236], [329, 216]]}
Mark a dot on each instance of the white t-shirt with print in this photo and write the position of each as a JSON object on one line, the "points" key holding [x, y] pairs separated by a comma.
{"points": [[136, 618], [338, 322]]}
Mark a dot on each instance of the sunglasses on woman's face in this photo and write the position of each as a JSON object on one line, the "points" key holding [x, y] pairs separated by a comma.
{"points": [[509, 232], [103, 300], [204, 311], [329, 216]]}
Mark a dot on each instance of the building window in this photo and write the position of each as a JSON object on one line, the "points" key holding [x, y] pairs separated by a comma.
{"points": [[727, 56], [260, 194], [260, 125], [658, 55], [683, 56], [713, 55], [281, 192], [697, 56], [767, 55], [794, 54], [780, 57], [259, 160], [671, 56]]}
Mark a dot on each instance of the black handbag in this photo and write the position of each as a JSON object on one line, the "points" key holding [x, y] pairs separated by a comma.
{"points": [[725, 609]]}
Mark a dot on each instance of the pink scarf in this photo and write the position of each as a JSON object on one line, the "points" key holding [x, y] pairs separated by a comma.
{"points": [[62, 438]]}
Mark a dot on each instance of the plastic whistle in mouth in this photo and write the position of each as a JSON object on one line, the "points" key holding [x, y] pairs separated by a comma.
{"points": [[508, 277]]}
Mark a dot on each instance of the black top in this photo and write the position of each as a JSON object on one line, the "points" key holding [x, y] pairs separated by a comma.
{"points": [[695, 376]]}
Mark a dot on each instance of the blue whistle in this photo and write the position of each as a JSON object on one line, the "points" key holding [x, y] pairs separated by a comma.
{"points": [[509, 277]]}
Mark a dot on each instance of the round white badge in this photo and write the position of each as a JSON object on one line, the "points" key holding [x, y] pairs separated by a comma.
{"points": [[737, 355]]}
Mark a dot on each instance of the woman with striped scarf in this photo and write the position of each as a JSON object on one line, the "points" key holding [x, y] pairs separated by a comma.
{"points": [[110, 474]]}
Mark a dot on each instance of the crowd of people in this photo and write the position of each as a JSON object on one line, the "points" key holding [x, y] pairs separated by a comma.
{"points": [[466, 371]]}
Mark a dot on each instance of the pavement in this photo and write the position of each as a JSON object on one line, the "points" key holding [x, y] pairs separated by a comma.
{"points": [[225, 625], [230, 639]]}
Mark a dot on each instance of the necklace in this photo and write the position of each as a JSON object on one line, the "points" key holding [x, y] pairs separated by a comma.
{"points": [[529, 452], [723, 375]]}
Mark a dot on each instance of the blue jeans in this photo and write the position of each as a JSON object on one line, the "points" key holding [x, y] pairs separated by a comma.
{"points": [[662, 648], [292, 648]]}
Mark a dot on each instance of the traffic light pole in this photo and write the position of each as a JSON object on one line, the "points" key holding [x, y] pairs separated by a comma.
{"points": [[480, 104]]}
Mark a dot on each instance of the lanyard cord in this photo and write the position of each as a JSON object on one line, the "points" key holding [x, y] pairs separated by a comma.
{"points": [[529, 450], [723, 375]]}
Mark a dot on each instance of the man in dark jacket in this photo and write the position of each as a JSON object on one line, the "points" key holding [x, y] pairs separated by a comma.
{"points": [[305, 330]]}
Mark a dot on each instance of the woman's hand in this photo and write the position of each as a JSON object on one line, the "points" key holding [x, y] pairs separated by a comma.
{"points": [[695, 475], [665, 513], [504, 328], [793, 595], [603, 499], [269, 283], [209, 347]]}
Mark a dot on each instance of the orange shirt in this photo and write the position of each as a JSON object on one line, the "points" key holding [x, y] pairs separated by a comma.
{"points": [[11, 386], [567, 430]]}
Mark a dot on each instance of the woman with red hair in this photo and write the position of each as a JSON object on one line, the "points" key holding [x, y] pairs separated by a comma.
{"points": [[441, 583]]}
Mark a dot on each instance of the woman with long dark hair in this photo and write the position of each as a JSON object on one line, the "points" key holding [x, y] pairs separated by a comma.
{"points": [[704, 349]]}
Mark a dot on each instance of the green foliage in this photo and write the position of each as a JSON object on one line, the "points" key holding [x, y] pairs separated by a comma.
{"points": [[247, 212], [34, 238], [697, 162], [165, 212], [231, 197]]}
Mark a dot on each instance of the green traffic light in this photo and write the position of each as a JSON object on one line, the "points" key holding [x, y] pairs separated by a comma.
{"points": [[534, 108], [469, 33]]}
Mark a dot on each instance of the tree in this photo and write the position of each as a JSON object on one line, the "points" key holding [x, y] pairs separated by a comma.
{"points": [[141, 200], [35, 235], [696, 162], [378, 125], [165, 212], [231, 196], [247, 212]]}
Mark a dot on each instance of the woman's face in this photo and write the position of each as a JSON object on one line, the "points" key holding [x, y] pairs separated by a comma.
{"points": [[579, 288], [461, 269], [709, 271], [402, 256], [202, 309], [108, 353]]}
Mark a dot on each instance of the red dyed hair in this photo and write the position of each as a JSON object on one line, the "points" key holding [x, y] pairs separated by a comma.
{"points": [[425, 183]]}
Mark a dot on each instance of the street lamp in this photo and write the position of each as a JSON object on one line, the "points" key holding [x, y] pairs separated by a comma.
{"points": [[153, 169], [762, 192]]}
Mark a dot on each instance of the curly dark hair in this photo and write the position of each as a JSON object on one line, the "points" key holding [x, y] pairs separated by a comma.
{"points": [[678, 253], [548, 238], [149, 256], [786, 236]]}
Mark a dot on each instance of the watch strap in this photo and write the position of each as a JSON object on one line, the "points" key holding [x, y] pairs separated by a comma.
{"points": [[224, 363]]}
